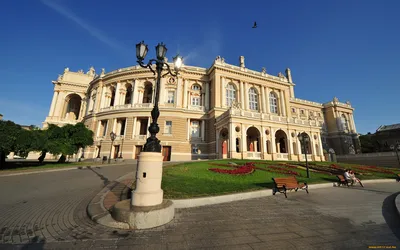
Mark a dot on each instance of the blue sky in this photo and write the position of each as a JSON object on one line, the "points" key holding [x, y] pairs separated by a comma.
{"points": [[349, 49]]}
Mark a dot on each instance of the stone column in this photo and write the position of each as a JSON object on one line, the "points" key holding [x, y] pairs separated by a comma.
{"points": [[282, 102], [153, 95], [273, 142], [58, 110], [352, 125], [53, 103], [290, 142], [133, 92], [232, 139], [103, 97], [162, 91], [243, 146], [267, 99], [207, 96], [179, 93], [223, 92], [242, 101], [148, 125], [188, 129], [98, 128], [246, 96], [117, 94], [263, 99], [321, 149], [185, 93], [82, 109], [203, 130], [134, 126]]}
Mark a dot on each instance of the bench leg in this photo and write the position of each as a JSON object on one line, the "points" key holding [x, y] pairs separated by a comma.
{"points": [[307, 188], [284, 191]]}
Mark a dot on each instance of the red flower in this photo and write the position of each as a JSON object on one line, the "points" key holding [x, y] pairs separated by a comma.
{"points": [[247, 168]]}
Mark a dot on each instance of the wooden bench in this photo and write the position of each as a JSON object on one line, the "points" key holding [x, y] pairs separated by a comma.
{"points": [[284, 184], [343, 181]]}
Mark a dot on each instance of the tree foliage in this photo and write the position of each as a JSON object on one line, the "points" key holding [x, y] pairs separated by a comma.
{"points": [[368, 143], [66, 140]]}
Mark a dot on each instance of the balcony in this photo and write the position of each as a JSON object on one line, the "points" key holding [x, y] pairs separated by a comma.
{"points": [[282, 156], [127, 106], [197, 108], [253, 155], [269, 117], [140, 137]]}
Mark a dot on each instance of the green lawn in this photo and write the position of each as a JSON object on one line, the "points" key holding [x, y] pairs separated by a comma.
{"points": [[195, 180]]}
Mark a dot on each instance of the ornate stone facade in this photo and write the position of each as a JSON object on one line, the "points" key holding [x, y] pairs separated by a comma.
{"points": [[225, 111]]}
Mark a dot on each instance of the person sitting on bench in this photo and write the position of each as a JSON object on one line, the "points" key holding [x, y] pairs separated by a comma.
{"points": [[353, 176], [347, 176]]}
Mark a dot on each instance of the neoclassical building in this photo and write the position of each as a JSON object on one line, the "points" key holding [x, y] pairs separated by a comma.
{"points": [[224, 111]]}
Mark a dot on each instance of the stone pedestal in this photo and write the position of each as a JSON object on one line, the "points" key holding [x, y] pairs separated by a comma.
{"points": [[148, 190]]}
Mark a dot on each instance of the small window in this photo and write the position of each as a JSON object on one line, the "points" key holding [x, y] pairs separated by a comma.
{"points": [[195, 128], [293, 110], [168, 127], [302, 111], [319, 115], [195, 87], [195, 101], [171, 97]]}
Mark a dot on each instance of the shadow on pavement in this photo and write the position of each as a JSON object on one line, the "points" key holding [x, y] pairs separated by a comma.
{"points": [[391, 215], [102, 177]]}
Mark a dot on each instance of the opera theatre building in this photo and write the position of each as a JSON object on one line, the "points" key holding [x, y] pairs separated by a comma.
{"points": [[225, 111]]}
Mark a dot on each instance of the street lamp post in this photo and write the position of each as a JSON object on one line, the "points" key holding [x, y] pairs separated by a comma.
{"points": [[396, 149], [152, 143], [304, 140], [98, 153], [112, 136], [122, 146]]}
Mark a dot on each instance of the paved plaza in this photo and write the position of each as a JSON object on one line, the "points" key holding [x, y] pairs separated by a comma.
{"points": [[48, 211]]}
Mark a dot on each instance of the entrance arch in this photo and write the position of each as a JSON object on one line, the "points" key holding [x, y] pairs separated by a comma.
{"points": [[281, 142], [224, 135], [253, 140], [72, 107]]}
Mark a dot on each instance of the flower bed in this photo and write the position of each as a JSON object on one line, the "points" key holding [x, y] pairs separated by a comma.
{"points": [[280, 170], [373, 169], [247, 168], [286, 165]]}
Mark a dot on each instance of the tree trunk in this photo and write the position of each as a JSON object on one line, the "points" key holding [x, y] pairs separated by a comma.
{"points": [[42, 156], [62, 159], [2, 159]]}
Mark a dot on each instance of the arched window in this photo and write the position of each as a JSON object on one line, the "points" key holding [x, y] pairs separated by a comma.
{"points": [[273, 103], [345, 125], [253, 99], [230, 95], [112, 97], [128, 95]]}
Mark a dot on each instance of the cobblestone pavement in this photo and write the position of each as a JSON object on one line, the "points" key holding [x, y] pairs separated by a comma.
{"points": [[48, 211]]}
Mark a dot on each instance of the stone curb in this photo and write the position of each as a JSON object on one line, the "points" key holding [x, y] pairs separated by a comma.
{"points": [[98, 213], [39, 171], [204, 201]]}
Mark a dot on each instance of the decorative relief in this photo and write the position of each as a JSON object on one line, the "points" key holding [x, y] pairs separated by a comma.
{"points": [[267, 132], [237, 129], [171, 80]]}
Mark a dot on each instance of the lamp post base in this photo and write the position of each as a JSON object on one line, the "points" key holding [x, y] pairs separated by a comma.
{"points": [[148, 190]]}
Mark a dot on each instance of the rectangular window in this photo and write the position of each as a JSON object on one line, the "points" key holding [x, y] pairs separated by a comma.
{"points": [[122, 126], [168, 127], [104, 124], [293, 110], [302, 111], [195, 129], [195, 101], [171, 97]]}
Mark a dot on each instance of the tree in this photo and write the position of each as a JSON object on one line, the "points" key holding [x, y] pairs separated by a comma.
{"points": [[67, 140], [367, 143], [9, 132]]}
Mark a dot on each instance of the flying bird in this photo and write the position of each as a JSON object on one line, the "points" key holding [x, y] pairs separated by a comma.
{"points": [[255, 25]]}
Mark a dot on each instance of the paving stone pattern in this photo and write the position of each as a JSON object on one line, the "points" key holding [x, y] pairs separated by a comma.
{"points": [[38, 217]]}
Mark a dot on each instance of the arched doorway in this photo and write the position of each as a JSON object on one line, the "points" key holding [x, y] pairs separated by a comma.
{"points": [[72, 107], [223, 135], [281, 142], [148, 93], [253, 140]]}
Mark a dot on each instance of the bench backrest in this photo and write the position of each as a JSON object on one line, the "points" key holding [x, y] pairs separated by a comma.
{"points": [[281, 181], [341, 177]]}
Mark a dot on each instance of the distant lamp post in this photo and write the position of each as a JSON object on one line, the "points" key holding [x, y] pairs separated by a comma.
{"points": [[304, 140], [122, 146], [112, 136], [396, 149], [152, 143], [98, 153]]}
